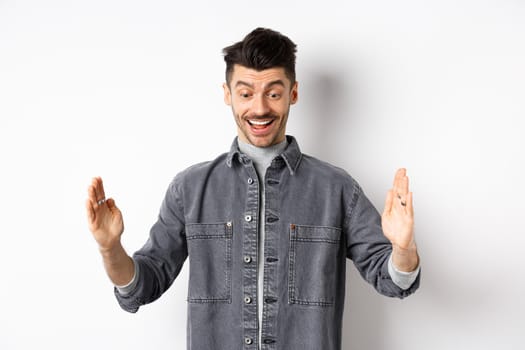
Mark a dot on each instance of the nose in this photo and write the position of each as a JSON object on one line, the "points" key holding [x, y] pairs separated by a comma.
{"points": [[260, 105]]}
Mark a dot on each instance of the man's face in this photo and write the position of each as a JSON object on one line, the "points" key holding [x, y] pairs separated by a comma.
{"points": [[260, 101]]}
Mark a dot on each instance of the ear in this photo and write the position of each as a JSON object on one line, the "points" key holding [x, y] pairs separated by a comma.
{"points": [[294, 94], [227, 94]]}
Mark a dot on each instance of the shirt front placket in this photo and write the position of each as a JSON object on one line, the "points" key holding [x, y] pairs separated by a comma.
{"points": [[272, 219], [250, 249]]}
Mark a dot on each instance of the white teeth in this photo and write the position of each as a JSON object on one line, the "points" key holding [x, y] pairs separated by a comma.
{"points": [[259, 122]]}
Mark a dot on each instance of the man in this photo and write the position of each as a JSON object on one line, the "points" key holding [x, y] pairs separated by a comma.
{"points": [[267, 229]]}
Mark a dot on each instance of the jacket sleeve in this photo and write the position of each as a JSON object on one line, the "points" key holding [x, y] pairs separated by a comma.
{"points": [[162, 257], [368, 248]]}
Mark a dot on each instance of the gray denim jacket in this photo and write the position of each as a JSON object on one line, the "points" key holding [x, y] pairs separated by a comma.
{"points": [[316, 217]]}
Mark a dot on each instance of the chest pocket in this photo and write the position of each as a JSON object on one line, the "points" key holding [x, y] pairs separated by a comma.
{"points": [[314, 264], [209, 252]]}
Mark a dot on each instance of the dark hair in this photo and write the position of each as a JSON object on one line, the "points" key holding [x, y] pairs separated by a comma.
{"points": [[262, 49]]}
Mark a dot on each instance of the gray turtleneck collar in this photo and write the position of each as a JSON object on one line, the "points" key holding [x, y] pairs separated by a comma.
{"points": [[262, 156]]}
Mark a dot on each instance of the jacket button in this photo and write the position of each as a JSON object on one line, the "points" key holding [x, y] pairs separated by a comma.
{"points": [[247, 300], [248, 341], [248, 218], [250, 181], [247, 259]]}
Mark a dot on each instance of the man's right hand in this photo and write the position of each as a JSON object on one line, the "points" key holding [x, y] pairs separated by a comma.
{"points": [[104, 218]]}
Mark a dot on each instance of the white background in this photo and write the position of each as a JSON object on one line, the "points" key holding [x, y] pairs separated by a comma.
{"points": [[131, 91]]}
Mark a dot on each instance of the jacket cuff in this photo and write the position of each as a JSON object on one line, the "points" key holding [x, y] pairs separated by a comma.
{"points": [[403, 280], [129, 288]]}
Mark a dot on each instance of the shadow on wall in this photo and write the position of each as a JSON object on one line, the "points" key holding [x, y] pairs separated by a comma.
{"points": [[328, 106], [323, 101]]}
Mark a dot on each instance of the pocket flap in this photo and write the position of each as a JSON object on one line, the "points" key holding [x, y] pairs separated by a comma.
{"points": [[209, 231], [315, 233]]}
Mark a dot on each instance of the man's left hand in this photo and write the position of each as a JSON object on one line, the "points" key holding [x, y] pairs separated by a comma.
{"points": [[398, 223]]}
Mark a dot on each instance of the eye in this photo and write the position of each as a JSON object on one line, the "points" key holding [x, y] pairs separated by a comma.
{"points": [[274, 95], [245, 94]]}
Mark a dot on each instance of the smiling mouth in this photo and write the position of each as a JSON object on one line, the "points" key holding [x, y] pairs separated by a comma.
{"points": [[259, 126], [260, 123]]}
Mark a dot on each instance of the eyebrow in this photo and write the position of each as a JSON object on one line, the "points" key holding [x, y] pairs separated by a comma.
{"points": [[270, 84]]}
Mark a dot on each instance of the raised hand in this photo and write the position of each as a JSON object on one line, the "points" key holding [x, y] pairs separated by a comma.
{"points": [[104, 218], [106, 224], [398, 223]]}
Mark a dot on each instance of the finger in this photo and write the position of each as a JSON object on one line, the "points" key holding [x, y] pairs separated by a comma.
{"points": [[410, 204], [92, 196], [99, 189], [401, 184], [90, 211], [399, 204], [111, 204], [102, 193], [389, 202], [400, 173]]}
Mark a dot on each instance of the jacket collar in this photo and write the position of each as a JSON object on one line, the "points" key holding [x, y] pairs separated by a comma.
{"points": [[291, 156]]}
